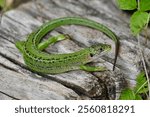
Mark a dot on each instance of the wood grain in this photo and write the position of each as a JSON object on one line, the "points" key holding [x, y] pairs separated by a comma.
{"points": [[18, 82]]}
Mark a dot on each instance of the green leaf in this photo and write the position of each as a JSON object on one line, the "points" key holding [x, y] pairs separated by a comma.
{"points": [[138, 97], [141, 84], [127, 94], [144, 5], [138, 21], [2, 2], [127, 4]]}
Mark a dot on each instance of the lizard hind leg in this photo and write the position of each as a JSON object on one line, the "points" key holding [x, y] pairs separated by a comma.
{"points": [[52, 40], [20, 45]]}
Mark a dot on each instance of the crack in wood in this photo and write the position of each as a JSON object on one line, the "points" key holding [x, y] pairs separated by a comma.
{"points": [[9, 96], [7, 67]]}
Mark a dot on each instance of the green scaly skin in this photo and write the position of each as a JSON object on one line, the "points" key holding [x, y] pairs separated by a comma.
{"points": [[43, 62]]}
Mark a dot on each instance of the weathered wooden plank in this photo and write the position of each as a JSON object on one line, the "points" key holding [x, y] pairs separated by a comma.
{"points": [[16, 24], [84, 83], [69, 79]]}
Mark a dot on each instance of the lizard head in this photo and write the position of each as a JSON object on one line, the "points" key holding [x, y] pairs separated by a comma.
{"points": [[99, 49]]}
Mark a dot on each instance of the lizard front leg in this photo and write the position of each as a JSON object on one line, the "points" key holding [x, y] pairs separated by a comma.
{"points": [[92, 68]]}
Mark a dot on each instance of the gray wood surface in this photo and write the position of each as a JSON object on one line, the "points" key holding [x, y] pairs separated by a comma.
{"points": [[18, 82]]}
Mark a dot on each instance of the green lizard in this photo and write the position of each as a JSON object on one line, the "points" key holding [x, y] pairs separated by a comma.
{"points": [[40, 61]]}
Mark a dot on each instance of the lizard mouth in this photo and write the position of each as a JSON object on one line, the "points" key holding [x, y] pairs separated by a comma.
{"points": [[104, 52], [99, 55]]}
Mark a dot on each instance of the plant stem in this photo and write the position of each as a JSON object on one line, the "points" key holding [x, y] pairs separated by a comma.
{"points": [[144, 64], [138, 8], [140, 87], [146, 33]]}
